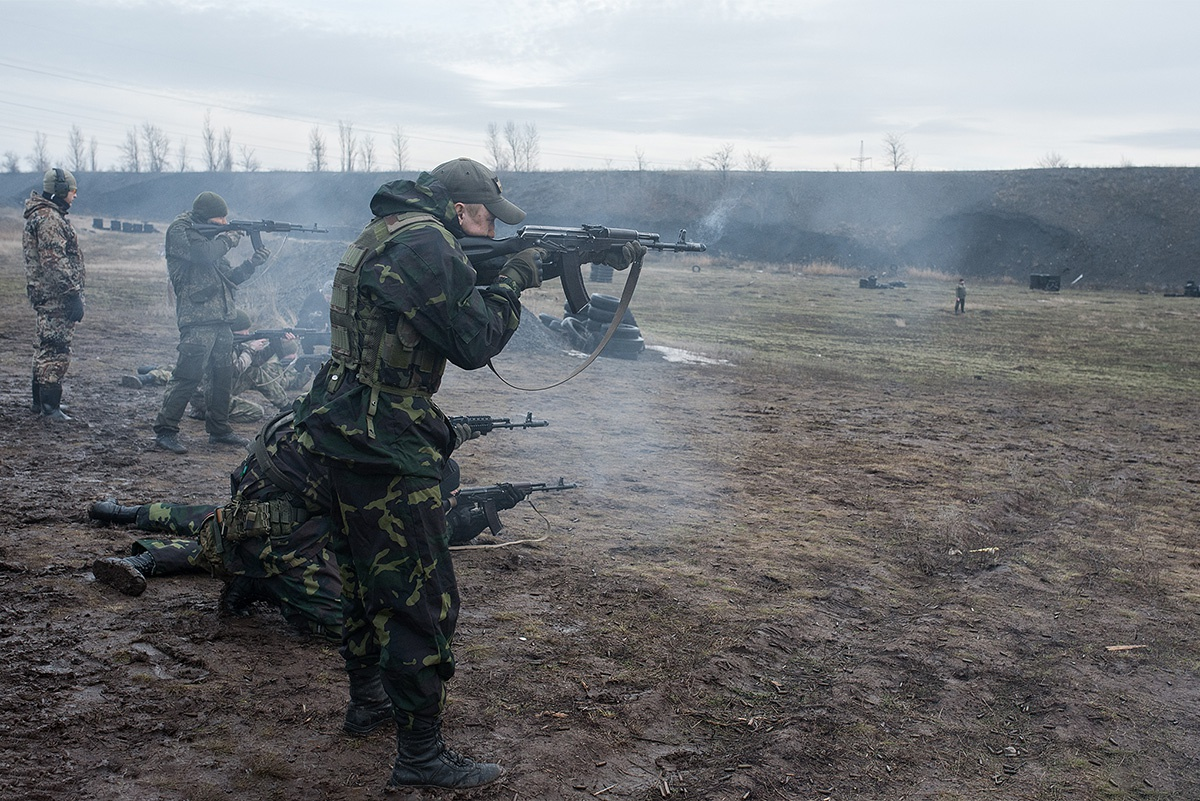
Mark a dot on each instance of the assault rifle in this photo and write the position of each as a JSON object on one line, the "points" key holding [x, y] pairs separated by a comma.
{"points": [[309, 337], [502, 496], [482, 423], [568, 249], [256, 228]]}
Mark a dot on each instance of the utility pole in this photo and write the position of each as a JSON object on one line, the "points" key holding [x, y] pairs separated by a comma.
{"points": [[861, 158]]}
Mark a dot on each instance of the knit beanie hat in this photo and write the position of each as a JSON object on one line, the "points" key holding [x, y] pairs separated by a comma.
{"points": [[209, 205]]}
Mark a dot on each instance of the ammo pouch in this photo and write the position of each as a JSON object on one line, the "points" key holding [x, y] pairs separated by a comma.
{"points": [[278, 517]]}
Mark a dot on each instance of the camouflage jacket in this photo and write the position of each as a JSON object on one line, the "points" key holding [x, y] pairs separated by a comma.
{"points": [[205, 285], [423, 277], [53, 261]]}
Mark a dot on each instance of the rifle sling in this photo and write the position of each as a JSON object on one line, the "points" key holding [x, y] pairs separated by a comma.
{"points": [[635, 271]]}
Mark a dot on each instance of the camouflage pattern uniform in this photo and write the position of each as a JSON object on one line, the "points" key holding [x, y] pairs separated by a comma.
{"points": [[205, 287], [404, 302], [290, 567], [53, 269], [257, 370], [269, 541]]}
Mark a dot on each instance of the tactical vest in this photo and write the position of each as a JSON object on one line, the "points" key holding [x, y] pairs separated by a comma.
{"points": [[381, 347]]}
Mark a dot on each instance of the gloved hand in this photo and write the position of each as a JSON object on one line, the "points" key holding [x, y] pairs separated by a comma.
{"points": [[512, 496], [621, 259], [73, 306], [260, 257], [522, 268], [231, 238], [72, 303], [463, 432]]}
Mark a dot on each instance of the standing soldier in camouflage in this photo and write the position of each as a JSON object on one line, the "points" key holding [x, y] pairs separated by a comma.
{"points": [[54, 275], [205, 287], [404, 302]]}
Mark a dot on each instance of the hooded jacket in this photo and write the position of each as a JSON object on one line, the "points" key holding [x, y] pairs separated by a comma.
{"points": [[382, 417], [53, 261]]}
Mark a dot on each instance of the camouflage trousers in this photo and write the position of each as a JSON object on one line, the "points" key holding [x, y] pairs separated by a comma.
{"points": [[400, 596], [240, 409], [52, 351], [295, 571], [205, 352]]}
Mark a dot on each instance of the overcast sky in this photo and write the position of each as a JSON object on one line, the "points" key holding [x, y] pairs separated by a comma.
{"points": [[807, 84]]}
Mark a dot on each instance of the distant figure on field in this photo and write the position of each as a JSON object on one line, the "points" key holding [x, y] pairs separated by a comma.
{"points": [[960, 297], [54, 276], [205, 286]]}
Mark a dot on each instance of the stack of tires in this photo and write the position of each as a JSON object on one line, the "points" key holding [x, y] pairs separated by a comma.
{"points": [[585, 328]]}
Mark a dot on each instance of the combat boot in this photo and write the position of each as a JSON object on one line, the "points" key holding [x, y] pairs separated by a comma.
{"points": [[51, 398], [109, 511], [128, 575], [423, 760], [369, 706], [169, 441]]}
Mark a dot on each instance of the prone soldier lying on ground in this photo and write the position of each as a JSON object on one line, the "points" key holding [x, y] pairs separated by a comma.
{"points": [[260, 364], [269, 542]]}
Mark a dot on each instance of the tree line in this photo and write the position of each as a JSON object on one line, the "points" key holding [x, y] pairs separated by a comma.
{"points": [[510, 147]]}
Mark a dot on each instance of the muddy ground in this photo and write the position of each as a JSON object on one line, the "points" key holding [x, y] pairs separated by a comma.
{"points": [[764, 588]]}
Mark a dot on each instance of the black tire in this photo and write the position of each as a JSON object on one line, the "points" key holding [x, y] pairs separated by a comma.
{"points": [[623, 331], [605, 315], [547, 319], [624, 348], [576, 332], [606, 302], [578, 315]]}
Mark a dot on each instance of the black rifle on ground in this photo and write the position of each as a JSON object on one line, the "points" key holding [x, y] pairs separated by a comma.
{"points": [[256, 228], [502, 496], [568, 250], [482, 423]]}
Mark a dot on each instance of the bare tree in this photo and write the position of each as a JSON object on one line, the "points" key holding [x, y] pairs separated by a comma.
{"points": [[209, 138], [399, 148], [895, 152], [640, 156], [531, 147], [523, 147], [347, 145], [156, 147], [247, 160], [1052, 161], [495, 149], [181, 156], [318, 157], [758, 162], [93, 152], [12, 162], [77, 152], [39, 159], [722, 159], [366, 148], [225, 151], [131, 153]]}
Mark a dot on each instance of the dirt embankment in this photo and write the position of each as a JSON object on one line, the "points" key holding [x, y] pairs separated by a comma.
{"points": [[1119, 227]]}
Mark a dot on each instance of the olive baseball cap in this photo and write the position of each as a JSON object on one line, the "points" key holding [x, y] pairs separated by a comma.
{"points": [[470, 182]]}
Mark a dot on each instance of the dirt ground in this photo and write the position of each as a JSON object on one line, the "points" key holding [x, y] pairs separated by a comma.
{"points": [[764, 588]]}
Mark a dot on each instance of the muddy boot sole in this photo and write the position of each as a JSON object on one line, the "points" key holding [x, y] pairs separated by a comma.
{"points": [[120, 575]]}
